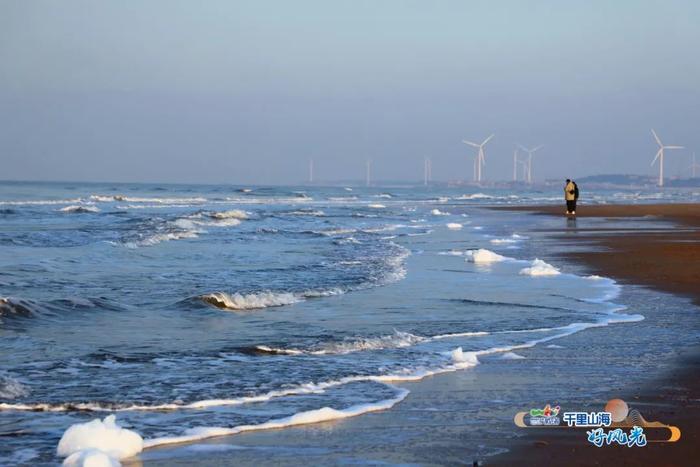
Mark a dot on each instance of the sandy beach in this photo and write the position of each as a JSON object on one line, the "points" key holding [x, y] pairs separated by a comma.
{"points": [[666, 259]]}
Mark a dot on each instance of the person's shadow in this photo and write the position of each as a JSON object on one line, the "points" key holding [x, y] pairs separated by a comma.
{"points": [[571, 224]]}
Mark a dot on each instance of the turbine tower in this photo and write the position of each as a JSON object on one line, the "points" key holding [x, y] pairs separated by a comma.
{"points": [[480, 158], [529, 159], [660, 156], [311, 170], [694, 166], [515, 165], [524, 165], [427, 171]]}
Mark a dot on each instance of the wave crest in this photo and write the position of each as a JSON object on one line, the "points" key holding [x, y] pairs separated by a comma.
{"points": [[251, 301]]}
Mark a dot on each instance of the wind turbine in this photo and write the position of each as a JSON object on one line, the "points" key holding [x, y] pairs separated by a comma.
{"points": [[515, 165], [660, 156], [529, 159], [694, 165], [427, 171], [524, 165], [480, 158], [311, 170]]}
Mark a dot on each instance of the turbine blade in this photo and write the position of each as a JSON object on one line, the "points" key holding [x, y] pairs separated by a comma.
{"points": [[658, 141], [538, 148], [470, 143], [674, 147], [487, 140], [657, 155]]}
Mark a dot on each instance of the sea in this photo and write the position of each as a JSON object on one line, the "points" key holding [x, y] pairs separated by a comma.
{"points": [[184, 313]]}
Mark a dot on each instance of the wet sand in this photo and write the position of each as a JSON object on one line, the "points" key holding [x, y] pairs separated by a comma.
{"points": [[664, 258]]}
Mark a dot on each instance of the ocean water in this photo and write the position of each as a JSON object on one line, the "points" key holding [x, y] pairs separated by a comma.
{"points": [[190, 311]]}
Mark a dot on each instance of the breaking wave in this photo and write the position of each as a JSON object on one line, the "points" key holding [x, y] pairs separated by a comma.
{"points": [[161, 237], [251, 301], [232, 214], [396, 340], [80, 209]]}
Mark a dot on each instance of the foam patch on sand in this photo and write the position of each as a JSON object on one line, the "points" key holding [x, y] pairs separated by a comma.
{"points": [[98, 442], [454, 226], [512, 356], [540, 268], [483, 256]]}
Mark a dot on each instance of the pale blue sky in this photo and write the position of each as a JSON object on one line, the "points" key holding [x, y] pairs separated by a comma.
{"points": [[246, 92]]}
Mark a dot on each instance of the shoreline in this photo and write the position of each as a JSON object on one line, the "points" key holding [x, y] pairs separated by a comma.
{"points": [[665, 259]]}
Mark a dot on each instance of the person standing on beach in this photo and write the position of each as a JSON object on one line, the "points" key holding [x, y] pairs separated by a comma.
{"points": [[570, 197]]}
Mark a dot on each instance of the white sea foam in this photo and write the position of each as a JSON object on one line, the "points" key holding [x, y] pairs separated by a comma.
{"points": [[483, 256], [376, 206], [437, 212], [132, 199], [460, 334], [251, 301], [103, 198], [540, 268], [87, 440], [40, 202], [303, 418], [452, 253], [232, 214], [90, 458], [308, 212], [162, 237], [396, 340], [454, 226], [459, 356], [78, 208], [503, 241], [277, 350], [512, 356], [10, 388], [475, 196], [515, 238]]}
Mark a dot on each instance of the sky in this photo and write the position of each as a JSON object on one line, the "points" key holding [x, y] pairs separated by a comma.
{"points": [[249, 91]]}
